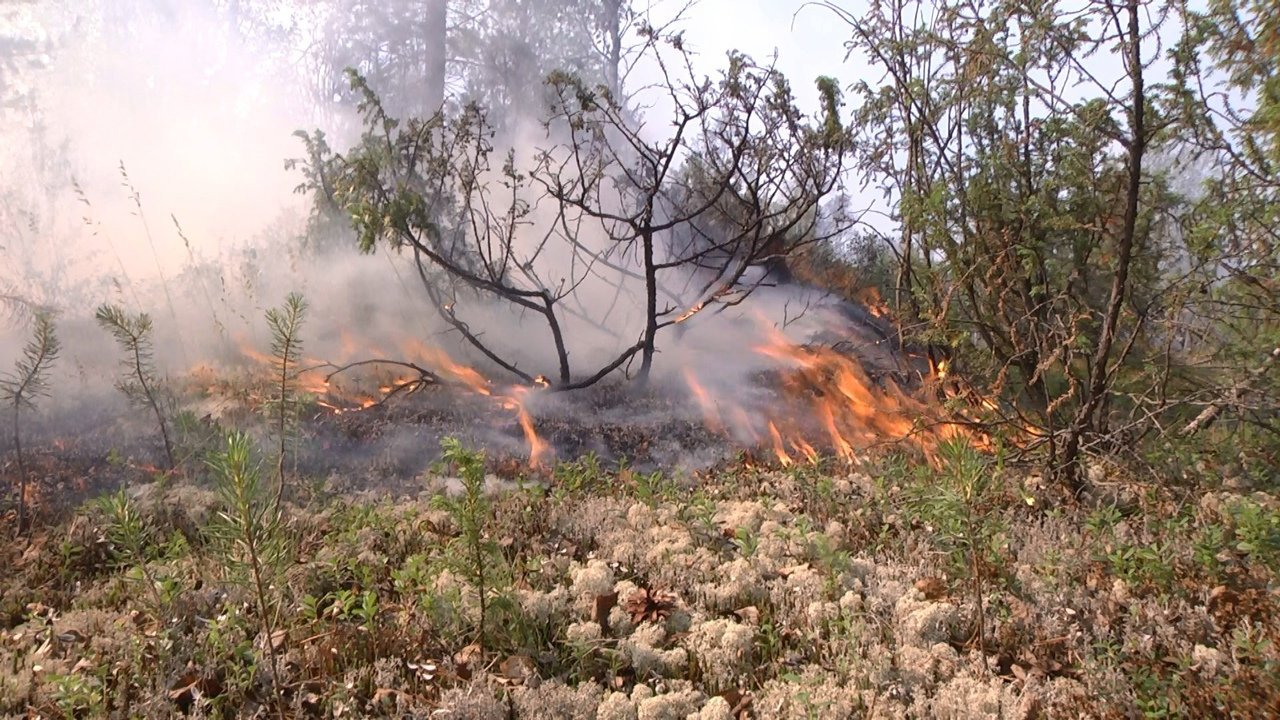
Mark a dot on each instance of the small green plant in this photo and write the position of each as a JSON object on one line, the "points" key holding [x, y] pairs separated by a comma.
{"points": [[650, 488], [250, 538], [1103, 520], [1209, 542], [286, 352], [1142, 564], [140, 382], [1257, 532], [78, 695], [960, 506], [747, 541], [578, 476], [133, 547], [30, 380], [472, 554]]}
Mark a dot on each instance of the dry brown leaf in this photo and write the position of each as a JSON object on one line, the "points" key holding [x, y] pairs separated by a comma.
{"points": [[649, 605], [739, 702], [932, 587], [278, 638], [600, 614], [787, 572], [382, 695], [519, 669], [468, 655]]}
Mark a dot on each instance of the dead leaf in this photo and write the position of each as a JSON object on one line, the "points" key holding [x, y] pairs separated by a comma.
{"points": [[739, 702], [465, 658], [787, 572], [468, 654], [931, 587], [649, 605], [382, 695], [183, 686], [71, 636], [600, 614], [519, 669], [191, 682]]}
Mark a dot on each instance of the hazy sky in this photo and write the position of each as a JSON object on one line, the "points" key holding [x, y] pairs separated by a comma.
{"points": [[203, 127], [809, 40]]}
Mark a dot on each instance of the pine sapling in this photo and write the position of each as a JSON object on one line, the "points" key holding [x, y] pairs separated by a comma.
{"points": [[286, 351], [140, 382], [473, 554], [250, 537], [29, 381]]}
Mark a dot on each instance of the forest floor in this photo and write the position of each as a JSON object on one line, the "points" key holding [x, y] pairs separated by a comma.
{"points": [[900, 588]]}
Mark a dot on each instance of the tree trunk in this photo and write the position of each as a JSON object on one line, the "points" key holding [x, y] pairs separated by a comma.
{"points": [[1096, 391], [651, 307], [437, 21], [611, 24]]}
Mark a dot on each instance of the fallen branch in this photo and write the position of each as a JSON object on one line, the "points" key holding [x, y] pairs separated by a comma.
{"points": [[1211, 413]]}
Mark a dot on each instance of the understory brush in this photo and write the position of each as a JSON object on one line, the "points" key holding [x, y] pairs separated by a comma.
{"points": [[823, 592]]}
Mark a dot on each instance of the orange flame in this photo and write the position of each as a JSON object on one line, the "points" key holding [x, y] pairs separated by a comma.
{"points": [[829, 389], [538, 447], [710, 413], [778, 449]]}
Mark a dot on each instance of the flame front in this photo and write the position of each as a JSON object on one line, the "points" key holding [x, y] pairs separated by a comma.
{"points": [[825, 400], [538, 448], [315, 379]]}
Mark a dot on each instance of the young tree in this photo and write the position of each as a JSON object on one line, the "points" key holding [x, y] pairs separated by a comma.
{"points": [[1225, 68], [29, 381], [738, 183], [1019, 140], [140, 382], [286, 352]]}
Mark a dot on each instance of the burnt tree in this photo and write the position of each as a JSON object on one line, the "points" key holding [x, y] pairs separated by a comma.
{"points": [[672, 226]]}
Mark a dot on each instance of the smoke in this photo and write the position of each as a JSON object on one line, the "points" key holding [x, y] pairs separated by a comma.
{"points": [[148, 171]]}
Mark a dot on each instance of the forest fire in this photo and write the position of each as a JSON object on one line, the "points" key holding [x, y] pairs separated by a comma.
{"points": [[815, 400], [827, 404], [432, 366]]}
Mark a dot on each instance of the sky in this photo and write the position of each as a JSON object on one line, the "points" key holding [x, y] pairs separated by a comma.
{"points": [[809, 40]]}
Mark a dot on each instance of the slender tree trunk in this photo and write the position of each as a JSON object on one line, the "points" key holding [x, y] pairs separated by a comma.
{"points": [[22, 469], [651, 307], [267, 625], [1096, 392], [282, 421], [612, 27], [437, 21], [154, 402]]}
